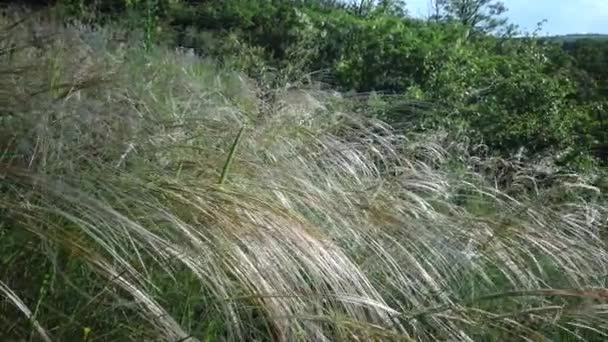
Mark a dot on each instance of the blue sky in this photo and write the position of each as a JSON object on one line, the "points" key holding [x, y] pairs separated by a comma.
{"points": [[564, 16]]}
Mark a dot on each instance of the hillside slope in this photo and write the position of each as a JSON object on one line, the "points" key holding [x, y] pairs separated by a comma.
{"points": [[148, 194]]}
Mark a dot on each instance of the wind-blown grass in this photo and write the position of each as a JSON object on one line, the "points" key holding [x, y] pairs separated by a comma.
{"points": [[120, 218]]}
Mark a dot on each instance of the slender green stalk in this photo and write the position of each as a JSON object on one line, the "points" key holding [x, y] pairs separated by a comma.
{"points": [[231, 154]]}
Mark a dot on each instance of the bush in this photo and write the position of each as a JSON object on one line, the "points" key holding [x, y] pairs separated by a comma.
{"points": [[509, 99]]}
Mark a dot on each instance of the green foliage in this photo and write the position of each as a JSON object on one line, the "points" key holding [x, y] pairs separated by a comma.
{"points": [[141, 15], [383, 53], [507, 93], [589, 64], [481, 16], [269, 24], [591, 57], [511, 99]]}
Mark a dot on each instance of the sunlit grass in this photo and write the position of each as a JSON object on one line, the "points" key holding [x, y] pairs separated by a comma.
{"points": [[134, 206]]}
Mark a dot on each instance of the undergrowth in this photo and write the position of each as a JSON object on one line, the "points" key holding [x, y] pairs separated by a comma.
{"points": [[148, 194]]}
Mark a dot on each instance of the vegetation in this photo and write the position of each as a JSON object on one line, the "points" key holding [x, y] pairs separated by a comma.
{"points": [[482, 16], [574, 37], [296, 170]]}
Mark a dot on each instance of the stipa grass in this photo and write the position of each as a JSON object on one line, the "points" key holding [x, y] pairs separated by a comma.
{"points": [[120, 218]]}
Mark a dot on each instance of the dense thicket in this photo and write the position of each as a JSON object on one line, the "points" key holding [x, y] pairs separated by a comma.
{"points": [[590, 72], [511, 94]]}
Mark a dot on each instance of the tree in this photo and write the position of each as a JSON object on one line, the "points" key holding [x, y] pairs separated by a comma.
{"points": [[479, 15], [392, 7], [434, 7]]}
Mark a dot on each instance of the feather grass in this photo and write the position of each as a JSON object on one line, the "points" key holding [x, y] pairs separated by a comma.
{"points": [[333, 226]]}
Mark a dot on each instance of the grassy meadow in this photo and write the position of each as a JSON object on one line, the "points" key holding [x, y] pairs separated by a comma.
{"points": [[149, 194]]}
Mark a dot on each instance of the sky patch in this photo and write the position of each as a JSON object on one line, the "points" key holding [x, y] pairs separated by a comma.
{"points": [[563, 16]]}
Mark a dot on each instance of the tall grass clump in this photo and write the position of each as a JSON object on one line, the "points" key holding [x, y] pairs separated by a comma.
{"points": [[147, 194]]}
